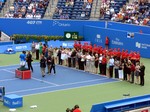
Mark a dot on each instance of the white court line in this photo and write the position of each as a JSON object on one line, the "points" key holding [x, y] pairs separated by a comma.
{"points": [[45, 81], [59, 89], [82, 71], [15, 67], [16, 64], [33, 78], [61, 85], [8, 79], [83, 82]]}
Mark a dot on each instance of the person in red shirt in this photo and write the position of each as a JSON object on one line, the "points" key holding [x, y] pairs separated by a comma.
{"points": [[107, 43], [79, 45], [76, 109], [104, 63], [137, 57], [75, 44]]}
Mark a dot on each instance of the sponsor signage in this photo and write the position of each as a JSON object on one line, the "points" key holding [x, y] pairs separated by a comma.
{"points": [[71, 35]]}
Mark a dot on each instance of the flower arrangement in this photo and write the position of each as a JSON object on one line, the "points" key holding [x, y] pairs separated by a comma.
{"points": [[39, 37]]}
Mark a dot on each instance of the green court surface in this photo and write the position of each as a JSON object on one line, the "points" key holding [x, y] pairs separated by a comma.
{"points": [[58, 101]]}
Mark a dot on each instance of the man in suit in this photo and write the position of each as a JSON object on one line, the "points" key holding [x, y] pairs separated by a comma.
{"points": [[52, 65], [48, 63], [142, 73], [29, 61]]}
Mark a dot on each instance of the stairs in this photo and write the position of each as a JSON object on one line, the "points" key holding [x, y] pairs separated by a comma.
{"points": [[95, 12], [50, 9]]}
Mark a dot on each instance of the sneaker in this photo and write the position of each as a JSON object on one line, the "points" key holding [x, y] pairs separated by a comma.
{"points": [[43, 75]]}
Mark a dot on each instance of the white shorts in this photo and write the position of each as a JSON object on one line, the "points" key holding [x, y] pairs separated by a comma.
{"points": [[22, 63]]}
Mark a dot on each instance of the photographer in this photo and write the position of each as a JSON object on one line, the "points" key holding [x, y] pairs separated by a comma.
{"points": [[76, 109]]}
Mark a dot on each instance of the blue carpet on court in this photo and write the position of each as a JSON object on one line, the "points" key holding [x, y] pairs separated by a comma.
{"points": [[65, 78]]}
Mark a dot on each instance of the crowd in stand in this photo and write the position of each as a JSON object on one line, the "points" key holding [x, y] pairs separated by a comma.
{"points": [[136, 12], [27, 9], [114, 63], [66, 8]]}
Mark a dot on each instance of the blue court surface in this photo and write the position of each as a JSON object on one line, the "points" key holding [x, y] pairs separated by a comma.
{"points": [[65, 78]]}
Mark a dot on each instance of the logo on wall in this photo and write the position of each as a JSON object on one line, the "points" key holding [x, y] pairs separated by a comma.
{"points": [[71, 35], [58, 23], [142, 45], [21, 47], [98, 38], [130, 35], [138, 45], [68, 35], [117, 42]]}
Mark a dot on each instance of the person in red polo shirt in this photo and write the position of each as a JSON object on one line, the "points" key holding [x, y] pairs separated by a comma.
{"points": [[104, 63], [107, 43], [75, 44], [76, 109]]}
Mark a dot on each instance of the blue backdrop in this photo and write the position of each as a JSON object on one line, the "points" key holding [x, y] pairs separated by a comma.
{"points": [[128, 27], [119, 39], [44, 27], [27, 46]]}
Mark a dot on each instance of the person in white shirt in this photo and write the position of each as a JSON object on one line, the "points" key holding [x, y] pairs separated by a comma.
{"points": [[37, 50], [69, 57], [63, 55], [100, 64], [92, 64], [37, 16], [82, 61], [111, 66], [88, 61]]}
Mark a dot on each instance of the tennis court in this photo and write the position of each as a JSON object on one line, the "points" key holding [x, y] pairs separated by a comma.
{"points": [[54, 93], [65, 78]]}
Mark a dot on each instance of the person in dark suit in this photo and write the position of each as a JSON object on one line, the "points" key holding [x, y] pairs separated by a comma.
{"points": [[43, 65], [29, 61], [59, 56], [142, 73], [48, 63], [52, 65]]}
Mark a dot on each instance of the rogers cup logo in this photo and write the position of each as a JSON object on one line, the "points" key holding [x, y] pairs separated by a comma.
{"points": [[57, 23], [138, 45]]}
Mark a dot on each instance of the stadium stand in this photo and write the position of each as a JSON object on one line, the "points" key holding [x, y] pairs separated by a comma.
{"points": [[73, 9], [27, 9], [2, 3], [136, 12]]}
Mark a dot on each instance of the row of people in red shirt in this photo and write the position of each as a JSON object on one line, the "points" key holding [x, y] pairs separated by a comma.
{"points": [[116, 52]]}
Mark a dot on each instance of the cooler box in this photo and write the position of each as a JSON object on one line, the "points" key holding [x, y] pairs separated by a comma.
{"points": [[13, 101], [23, 74]]}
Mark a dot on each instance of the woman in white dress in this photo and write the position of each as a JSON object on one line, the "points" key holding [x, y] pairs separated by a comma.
{"points": [[92, 64], [83, 61], [88, 62], [63, 55], [55, 52]]}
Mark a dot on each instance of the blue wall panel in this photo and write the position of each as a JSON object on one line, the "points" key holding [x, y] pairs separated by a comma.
{"points": [[27, 46], [128, 27], [44, 27], [118, 39]]}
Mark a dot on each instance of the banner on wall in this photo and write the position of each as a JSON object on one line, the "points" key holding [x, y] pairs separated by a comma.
{"points": [[27, 46], [71, 35], [119, 39], [130, 35]]}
